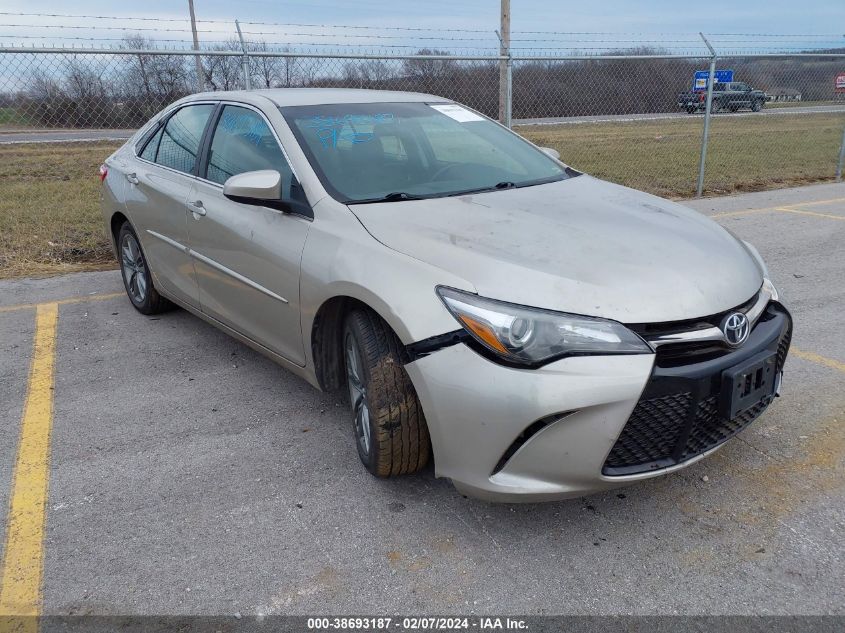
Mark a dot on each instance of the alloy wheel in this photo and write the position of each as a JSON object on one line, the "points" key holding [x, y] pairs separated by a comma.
{"points": [[357, 394], [134, 269]]}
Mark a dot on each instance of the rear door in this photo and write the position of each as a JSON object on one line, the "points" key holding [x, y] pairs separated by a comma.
{"points": [[159, 181], [247, 257]]}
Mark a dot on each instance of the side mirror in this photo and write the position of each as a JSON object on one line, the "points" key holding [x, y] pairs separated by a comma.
{"points": [[261, 188], [550, 151]]}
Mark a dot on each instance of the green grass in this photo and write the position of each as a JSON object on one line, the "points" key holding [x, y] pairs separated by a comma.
{"points": [[12, 117], [799, 104], [50, 219], [745, 153]]}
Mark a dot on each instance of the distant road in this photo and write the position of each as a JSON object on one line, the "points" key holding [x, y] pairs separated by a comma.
{"points": [[71, 136], [62, 136], [608, 118]]}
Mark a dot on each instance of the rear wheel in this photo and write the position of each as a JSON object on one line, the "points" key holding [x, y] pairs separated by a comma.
{"points": [[136, 274], [388, 422]]}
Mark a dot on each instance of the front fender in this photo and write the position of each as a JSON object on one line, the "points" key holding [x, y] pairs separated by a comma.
{"points": [[341, 259]]}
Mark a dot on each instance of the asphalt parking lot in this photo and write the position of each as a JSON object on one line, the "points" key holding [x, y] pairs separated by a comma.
{"points": [[190, 475]]}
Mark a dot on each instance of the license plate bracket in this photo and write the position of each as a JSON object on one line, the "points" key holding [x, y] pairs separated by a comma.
{"points": [[748, 383]]}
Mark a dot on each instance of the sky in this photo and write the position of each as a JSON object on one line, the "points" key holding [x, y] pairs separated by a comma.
{"points": [[670, 22]]}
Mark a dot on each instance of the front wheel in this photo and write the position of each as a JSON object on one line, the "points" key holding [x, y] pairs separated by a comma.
{"points": [[757, 106], [388, 422]]}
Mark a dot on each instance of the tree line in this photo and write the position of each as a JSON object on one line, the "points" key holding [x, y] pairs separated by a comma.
{"points": [[124, 89]]}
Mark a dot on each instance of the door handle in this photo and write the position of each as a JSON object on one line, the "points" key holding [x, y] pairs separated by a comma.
{"points": [[197, 207], [132, 178]]}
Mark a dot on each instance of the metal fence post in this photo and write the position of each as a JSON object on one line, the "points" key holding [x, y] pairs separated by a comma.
{"points": [[707, 111], [197, 60], [509, 95], [841, 157], [505, 78], [245, 59]]}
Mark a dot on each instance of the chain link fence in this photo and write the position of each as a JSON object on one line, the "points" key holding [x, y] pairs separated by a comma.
{"points": [[635, 119]]}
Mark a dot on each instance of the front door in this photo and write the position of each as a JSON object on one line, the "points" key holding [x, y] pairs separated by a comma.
{"points": [[247, 257]]}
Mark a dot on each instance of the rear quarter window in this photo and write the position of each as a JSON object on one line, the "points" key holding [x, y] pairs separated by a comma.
{"points": [[151, 148], [180, 140]]}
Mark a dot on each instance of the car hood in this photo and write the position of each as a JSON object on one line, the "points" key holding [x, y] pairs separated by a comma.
{"points": [[579, 245]]}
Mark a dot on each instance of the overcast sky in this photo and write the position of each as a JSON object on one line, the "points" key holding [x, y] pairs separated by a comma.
{"points": [[775, 17]]}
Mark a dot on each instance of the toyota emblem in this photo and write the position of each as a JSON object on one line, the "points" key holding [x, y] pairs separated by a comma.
{"points": [[736, 328]]}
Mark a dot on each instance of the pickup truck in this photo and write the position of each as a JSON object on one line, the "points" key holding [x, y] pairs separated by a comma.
{"points": [[726, 96]]}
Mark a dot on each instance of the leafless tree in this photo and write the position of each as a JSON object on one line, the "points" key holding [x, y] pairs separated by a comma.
{"points": [[426, 70], [223, 72]]}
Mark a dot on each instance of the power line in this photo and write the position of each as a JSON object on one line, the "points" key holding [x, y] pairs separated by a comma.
{"points": [[693, 36], [357, 26], [336, 26], [377, 37], [256, 53], [279, 33], [104, 28]]}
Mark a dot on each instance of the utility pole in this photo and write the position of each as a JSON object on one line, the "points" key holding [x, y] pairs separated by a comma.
{"points": [[505, 65], [197, 61]]}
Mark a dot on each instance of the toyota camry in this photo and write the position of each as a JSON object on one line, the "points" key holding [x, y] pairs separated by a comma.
{"points": [[536, 332]]}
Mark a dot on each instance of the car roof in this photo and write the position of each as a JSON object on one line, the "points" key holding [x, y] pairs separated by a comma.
{"points": [[320, 96]]}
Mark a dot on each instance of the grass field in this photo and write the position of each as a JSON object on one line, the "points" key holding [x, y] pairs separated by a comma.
{"points": [[745, 153], [50, 219], [799, 104]]}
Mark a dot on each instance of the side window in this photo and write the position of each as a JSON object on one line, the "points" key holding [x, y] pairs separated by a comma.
{"points": [[180, 139], [151, 148], [243, 142]]}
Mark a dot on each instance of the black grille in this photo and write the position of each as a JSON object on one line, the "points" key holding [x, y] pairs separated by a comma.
{"points": [[678, 417], [652, 431]]}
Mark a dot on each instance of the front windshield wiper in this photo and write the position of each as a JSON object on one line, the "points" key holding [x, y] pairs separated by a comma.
{"points": [[507, 184], [396, 196]]}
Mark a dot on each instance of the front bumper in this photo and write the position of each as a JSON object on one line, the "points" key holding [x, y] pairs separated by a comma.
{"points": [[509, 434]]}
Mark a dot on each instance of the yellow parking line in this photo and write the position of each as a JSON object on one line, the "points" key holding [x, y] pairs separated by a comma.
{"points": [[813, 203], [819, 359], [813, 213], [61, 302], [20, 582], [782, 207], [733, 214]]}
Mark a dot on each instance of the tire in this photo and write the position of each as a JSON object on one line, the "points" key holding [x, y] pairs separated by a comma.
{"points": [[756, 106], [691, 110], [136, 276], [387, 420], [715, 106]]}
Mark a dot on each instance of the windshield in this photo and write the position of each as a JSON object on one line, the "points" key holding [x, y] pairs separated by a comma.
{"points": [[368, 152]]}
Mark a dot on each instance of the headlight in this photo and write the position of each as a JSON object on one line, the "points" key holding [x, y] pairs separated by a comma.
{"points": [[531, 336], [756, 254], [769, 287]]}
